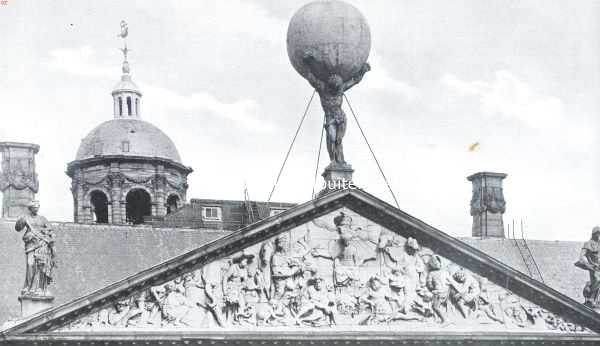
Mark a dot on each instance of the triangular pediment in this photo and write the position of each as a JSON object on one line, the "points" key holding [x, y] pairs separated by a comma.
{"points": [[344, 262]]}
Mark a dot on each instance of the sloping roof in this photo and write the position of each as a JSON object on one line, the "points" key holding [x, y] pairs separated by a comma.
{"points": [[554, 258], [359, 202], [126, 84], [91, 256]]}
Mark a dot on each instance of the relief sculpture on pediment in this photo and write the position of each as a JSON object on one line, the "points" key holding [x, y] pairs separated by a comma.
{"points": [[339, 271]]}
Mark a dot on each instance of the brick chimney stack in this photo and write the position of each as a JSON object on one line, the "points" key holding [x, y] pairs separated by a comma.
{"points": [[487, 204]]}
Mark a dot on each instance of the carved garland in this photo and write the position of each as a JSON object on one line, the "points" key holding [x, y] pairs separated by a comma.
{"points": [[177, 185], [487, 199], [19, 181], [142, 180], [116, 180]]}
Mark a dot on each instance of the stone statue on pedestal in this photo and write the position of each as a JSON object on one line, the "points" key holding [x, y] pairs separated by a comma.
{"points": [[328, 44], [589, 260], [39, 252]]}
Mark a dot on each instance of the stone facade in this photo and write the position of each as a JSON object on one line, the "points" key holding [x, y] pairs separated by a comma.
{"points": [[18, 179]]}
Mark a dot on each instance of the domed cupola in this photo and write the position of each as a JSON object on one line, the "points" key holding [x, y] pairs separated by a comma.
{"points": [[126, 171]]}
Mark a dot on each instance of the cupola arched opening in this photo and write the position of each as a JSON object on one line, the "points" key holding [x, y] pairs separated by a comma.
{"points": [[138, 206], [172, 203], [120, 106], [129, 106], [99, 204]]}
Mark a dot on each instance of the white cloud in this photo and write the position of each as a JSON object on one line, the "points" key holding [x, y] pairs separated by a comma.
{"points": [[243, 17], [511, 97], [380, 79], [79, 62], [243, 112]]}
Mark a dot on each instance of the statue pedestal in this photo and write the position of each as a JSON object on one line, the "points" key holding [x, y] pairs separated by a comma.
{"points": [[337, 177], [32, 304]]}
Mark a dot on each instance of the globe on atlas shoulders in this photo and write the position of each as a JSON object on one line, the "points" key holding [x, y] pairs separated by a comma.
{"points": [[334, 34]]}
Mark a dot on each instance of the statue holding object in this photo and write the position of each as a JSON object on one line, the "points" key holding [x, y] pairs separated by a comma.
{"points": [[328, 43], [39, 251], [331, 93]]}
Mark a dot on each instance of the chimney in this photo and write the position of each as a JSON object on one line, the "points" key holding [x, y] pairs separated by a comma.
{"points": [[18, 180], [487, 204]]}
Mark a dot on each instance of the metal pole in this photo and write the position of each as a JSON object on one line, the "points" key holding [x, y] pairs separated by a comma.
{"points": [[513, 223], [522, 236]]}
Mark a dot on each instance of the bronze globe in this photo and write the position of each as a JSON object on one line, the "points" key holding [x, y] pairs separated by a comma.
{"points": [[335, 33]]}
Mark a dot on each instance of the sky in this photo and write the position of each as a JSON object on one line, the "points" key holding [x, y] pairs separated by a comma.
{"points": [[521, 78]]}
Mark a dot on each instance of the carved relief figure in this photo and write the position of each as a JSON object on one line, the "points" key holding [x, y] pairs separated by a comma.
{"points": [[514, 311], [378, 300], [487, 306], [403, 298], [343, 253], [39, 251], [319, 305], [175, 306], [464, 292], [235, 283], [210, 303], [283, 267], [438, 284], [406, 259]]}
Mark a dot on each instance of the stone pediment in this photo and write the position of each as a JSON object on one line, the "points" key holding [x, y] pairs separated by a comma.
{"points": [[345, 262]]}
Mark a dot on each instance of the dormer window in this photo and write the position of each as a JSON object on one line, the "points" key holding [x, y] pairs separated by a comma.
{"points": [[211, 213], [125, 146]]}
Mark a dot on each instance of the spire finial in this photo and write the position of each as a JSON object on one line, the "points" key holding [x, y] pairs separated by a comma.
{"points": [[124, 33]]}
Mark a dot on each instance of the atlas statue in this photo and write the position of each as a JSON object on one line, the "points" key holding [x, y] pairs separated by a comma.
{"points": [[331, 93], [328, 44]]}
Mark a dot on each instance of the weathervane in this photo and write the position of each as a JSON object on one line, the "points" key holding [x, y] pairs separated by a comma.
{"points": [[124, 33]]}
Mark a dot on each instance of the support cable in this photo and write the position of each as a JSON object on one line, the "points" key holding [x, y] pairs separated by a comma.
{"points": [[372, 153], [291, 145], [318, 158]]}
